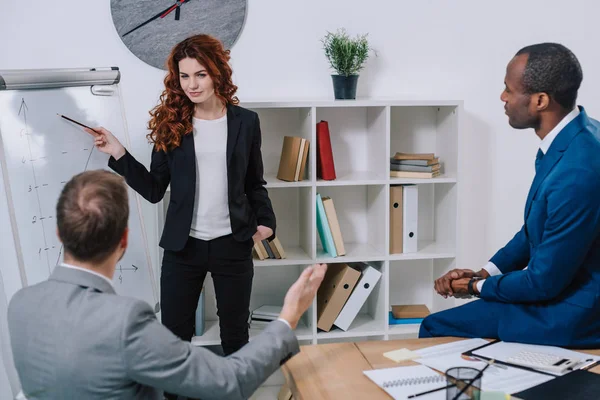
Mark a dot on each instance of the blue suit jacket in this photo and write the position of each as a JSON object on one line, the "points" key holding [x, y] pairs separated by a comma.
{"points": [[558, 296]]}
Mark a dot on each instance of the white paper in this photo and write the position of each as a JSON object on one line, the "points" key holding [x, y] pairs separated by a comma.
{"points": [[495, 378]]}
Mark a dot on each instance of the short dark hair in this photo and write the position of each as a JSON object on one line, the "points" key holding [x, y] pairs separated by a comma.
{"points": [[553, 69], [91, 214]]}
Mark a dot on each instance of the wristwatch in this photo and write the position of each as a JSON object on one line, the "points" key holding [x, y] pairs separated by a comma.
{"points": [[472, 282]]}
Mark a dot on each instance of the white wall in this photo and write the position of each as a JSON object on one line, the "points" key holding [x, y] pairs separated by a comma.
{"points": [[426, 49]]}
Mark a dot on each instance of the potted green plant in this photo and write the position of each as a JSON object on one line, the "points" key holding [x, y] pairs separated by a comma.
{"points": [[347, 57]]}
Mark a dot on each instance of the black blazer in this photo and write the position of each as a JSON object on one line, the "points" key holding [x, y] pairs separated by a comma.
{"points": [[249, 203]]}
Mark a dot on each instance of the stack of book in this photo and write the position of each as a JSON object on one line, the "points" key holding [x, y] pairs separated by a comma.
{"points": [[264, 315], [408, 314], [329, 227], [414, 165], [343, 293], [292, 164], [268, 249]]}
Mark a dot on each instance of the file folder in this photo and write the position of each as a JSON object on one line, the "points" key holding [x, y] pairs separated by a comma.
{"points": [[369, 278], [396, 220], [339, 281], [410, 211]]}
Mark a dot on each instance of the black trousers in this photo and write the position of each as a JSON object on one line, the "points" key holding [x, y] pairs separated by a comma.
{"points": [[230, 265]]}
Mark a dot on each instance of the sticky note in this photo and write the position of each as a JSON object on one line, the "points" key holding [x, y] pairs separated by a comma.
{"points": [[494, 396], [401, 355]]}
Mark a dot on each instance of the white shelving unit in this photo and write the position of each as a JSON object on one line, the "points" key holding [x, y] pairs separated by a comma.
{"points": [[364, 134]]}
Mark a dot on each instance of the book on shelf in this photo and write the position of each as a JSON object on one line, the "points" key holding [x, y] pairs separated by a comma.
{"points": [[410, 311], [324, 229], [414, 156], [418, 163], [413, 174], [268, 311], [403, 321], [334, 225], [415, 165], [259, 251], [325, 164], [415, 168], [264, 315], [292, 162], [266, 249]]}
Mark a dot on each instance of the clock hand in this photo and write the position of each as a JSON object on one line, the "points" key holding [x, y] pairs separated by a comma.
{"points": [[174, 7], [159, 15]]}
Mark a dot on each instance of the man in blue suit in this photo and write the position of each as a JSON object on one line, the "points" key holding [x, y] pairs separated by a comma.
{"points": [[543, 287]]}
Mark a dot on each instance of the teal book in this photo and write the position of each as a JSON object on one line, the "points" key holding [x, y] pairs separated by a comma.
{"points": [[324, 229], [403, 321]]}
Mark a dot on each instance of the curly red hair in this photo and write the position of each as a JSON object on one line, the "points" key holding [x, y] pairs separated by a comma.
{"points": [[172, 118]]}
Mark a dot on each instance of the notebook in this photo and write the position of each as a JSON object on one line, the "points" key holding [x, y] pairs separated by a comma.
{"points": [[581, 385], [401, 382]]}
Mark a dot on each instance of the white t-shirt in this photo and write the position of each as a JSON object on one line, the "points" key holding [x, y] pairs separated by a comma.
{"points": [[211, 206]]}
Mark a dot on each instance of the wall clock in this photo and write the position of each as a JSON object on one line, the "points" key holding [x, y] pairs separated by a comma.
{"points": [[150, 28]]}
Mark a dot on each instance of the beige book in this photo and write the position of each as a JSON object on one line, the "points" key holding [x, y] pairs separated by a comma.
{"points": [[299, 161], [413, 174], [414, 156], [334, 225], [278, 246], [289, 158], [258, 251], [304, 158], [410, 311]]}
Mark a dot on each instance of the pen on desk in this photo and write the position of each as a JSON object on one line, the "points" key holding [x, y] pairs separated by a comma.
{"points": [[412, 396], [590, 366], [78, 123], [496, 365]]}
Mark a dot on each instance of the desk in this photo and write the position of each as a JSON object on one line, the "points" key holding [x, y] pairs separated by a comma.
{"points": [[335, 371]]}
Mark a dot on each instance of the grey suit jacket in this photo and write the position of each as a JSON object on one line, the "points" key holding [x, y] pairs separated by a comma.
{"points": [[73, 338]]}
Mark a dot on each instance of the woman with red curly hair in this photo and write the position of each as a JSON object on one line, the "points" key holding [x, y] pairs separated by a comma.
{"points": [[208, 149]]}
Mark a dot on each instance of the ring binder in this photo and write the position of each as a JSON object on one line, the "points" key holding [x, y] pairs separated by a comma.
{"points": [[415, 381]]}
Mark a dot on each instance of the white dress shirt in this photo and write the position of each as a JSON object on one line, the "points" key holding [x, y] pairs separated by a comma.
{"points": [[490, 267], [210, 219]]}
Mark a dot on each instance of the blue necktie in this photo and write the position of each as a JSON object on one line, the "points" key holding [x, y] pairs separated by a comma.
{"points": [[538, 159]]}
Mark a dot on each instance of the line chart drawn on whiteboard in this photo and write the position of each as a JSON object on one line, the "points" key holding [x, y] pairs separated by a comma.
{"points": [[40, 152]]}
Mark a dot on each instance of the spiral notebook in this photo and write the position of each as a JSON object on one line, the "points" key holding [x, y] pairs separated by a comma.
{"points": [[401, 382]]}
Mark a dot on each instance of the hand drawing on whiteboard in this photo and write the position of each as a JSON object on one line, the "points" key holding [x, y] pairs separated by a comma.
{"points": [[40, 152]]}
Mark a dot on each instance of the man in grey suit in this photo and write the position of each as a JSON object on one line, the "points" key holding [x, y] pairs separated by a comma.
{"points": [[73, 338]]}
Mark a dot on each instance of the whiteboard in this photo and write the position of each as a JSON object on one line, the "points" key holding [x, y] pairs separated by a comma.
{"points": [[40, 152]]}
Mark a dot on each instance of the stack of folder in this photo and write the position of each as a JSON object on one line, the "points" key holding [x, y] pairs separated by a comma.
{"points": [[328, 227], [414, 165], [268, 249], [343, 293], [292, 164]]}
